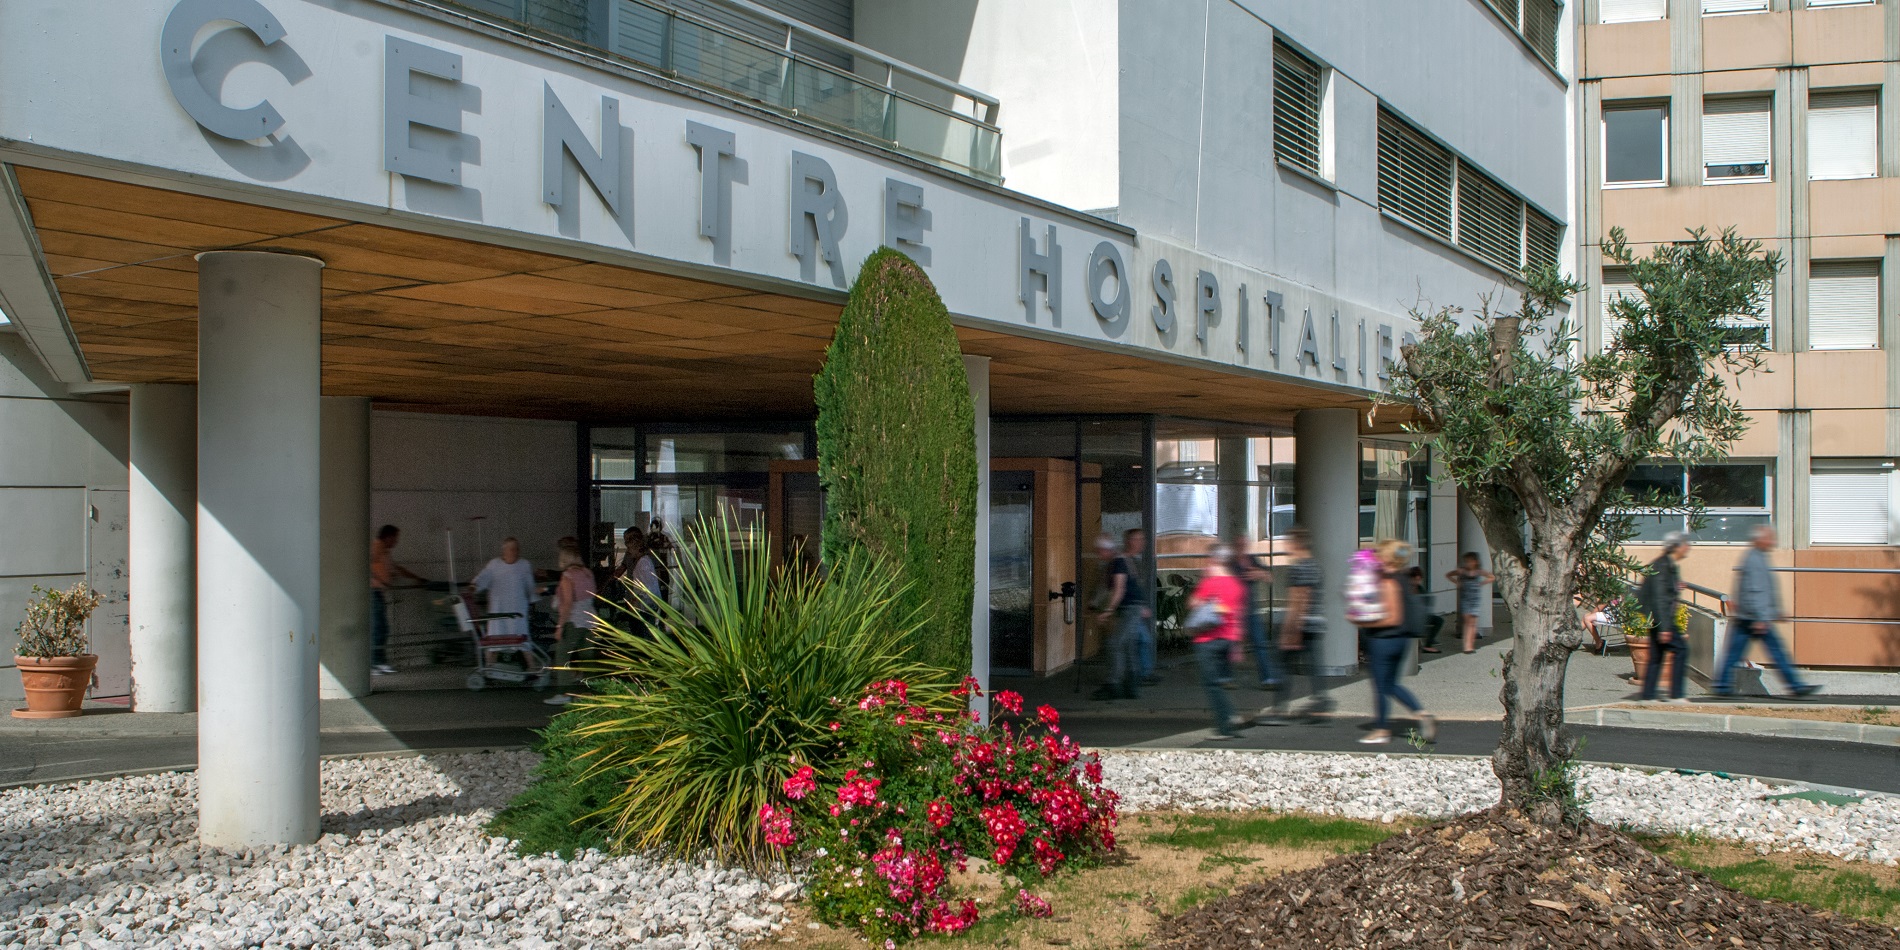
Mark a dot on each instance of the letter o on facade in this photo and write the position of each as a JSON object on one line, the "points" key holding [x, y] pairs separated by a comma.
{"points": [[1107, 260]]}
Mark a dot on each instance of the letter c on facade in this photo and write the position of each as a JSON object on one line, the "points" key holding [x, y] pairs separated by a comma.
{"points": [[175, 52]]}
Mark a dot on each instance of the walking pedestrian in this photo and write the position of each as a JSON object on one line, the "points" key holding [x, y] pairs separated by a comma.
{"points": [[574, 619], [509, 582], [1302, 630], [383, 571], [1757, 606], [1254, 579], [1400, 619], [1659, 597], [1433, 622], [1215, 612], [1470, 577], [1128, 611]]}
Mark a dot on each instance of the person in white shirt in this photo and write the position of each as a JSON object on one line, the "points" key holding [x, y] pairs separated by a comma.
{"points": [[509, 582]]}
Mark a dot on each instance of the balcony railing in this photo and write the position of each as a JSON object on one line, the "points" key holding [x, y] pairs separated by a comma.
{"points": [[744, 50]]}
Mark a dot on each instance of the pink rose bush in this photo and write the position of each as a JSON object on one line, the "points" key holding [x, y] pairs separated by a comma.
{"points": [[927, 792]]}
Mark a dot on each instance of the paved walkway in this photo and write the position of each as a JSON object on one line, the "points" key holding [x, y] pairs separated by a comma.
{"points": [[1462, 689]]}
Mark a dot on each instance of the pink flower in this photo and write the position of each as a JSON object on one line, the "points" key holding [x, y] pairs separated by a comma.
{"points": [[1048, 716], [1047, 857], [1010, 700], [1032, 905], [777, 825], [938, 813], [945, 920], [801, 783]]}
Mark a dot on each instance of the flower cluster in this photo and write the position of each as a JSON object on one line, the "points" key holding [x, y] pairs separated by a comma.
{"points": [[920, 791]]}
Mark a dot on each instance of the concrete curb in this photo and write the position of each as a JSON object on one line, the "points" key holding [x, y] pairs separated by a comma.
{"points": [[1738, 725]]}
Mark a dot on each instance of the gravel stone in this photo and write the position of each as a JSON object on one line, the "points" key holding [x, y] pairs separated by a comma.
{"points": [[403, 862]]}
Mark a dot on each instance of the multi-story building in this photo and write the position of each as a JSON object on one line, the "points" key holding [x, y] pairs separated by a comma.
{"points": [[1781, 119], [278, 271]]}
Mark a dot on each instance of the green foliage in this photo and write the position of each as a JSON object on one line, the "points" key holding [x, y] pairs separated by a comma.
{"points": [[563, 810], [1209, 832], [55, 623], [1815, 884], [737, 681], [897, 450]]}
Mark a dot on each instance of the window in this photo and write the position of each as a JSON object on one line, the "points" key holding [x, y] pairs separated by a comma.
{"points": [[1734, 498], [1534, 20], [1754, 329], [1843, 134], [1843, 305], [1616, 286], [1630, 11], [1543, 235], [1299, 111], [1717, 7], [1850, 501], [1415, 175], [1635, 145], [1735, 140], [1490, 219]]}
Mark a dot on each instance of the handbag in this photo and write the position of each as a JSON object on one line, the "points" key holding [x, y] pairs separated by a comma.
{"points": [[1205, 617]]}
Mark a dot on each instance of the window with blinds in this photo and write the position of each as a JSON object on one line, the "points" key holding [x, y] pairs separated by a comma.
{"points": [[1631, 11], [1735, 139], [1850, 502], [1415, 175], [1543, 237], [1490, 219], [1843, 305], [1299, 87], [1508, 9], [1718, 7], [1541, 20], [1616, 286], [1844, 134]]}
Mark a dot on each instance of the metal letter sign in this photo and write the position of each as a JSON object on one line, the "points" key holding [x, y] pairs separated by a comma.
{"points": [[719, 167], [818, 212], [603, 168], [1113, 314], [1047, 265], [1206, 305], [193, 74], [403, 108]]}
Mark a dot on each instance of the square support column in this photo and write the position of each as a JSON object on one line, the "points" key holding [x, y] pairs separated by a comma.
{"points": [[162, 550], [1326, 501], [977, 368], [344, 631], [259, 421]]}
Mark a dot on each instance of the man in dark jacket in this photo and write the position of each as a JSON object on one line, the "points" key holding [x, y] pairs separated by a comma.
{"points": [[1661, 593], [1756, 608]]}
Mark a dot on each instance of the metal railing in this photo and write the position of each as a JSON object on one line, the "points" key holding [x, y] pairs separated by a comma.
{"points": [[744, 50]]}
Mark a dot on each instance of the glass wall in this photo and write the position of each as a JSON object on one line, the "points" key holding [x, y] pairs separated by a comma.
{"points": [[1395, 496]]}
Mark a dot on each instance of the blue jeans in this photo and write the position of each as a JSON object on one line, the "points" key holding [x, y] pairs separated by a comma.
{"points": [[1385, 655], [378, 628], [1145, 661], [1740, 634], [1263, 655], [1212, 658], [1125, 651]]}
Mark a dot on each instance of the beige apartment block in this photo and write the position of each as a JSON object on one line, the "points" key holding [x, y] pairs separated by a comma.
{"points": [[1781, 119]]}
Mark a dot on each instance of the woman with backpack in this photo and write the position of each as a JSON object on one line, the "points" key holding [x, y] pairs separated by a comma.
{"points": [[1389, 614], [1216, 611]]}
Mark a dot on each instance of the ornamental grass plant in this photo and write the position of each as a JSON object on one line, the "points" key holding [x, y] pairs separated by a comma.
{"points": [[906, 798], [732, 685]]}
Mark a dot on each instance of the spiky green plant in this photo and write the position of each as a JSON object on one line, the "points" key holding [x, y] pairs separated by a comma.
{"points": [[745, 674]]}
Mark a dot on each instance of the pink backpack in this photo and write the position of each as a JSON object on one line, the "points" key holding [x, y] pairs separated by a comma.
{"points": [[1365, 601]]}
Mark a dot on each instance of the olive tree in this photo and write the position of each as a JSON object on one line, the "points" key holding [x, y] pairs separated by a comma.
{"points": [[1541, 435]]}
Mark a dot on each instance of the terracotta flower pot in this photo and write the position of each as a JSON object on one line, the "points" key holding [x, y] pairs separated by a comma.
{"points": [[1639, 657], [1639, 654], [55, 686]]}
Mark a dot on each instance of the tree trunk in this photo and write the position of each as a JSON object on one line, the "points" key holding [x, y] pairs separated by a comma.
{"points": [[1535, 748]]}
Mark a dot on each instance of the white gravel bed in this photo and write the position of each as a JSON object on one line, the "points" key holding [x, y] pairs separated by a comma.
{"points": [[1386, 788], [403, 862]]}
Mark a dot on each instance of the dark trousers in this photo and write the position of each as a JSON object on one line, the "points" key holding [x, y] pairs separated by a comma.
{"points": [[1679, 645], [378, 628], [1212, 658], [1740, 634], [1386, 655], [1265, 662]]}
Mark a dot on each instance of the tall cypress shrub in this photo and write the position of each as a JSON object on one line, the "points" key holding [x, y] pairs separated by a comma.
{"points": [[897, 448]]}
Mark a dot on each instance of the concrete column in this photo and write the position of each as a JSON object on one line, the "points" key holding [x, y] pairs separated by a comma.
{"points": [[977, 368], [163, 504], [1326, 501], [343, 631], [258, 523], [1471, 538]]}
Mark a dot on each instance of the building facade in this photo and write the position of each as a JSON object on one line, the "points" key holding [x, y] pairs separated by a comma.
{"points": [[1781, 119], [278, 271]]}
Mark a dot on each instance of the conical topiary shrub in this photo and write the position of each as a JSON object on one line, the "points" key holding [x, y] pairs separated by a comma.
{"points": [[897, 449]]}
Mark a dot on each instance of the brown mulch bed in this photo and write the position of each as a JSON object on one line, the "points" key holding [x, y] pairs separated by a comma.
{"points": [[1495, 880]]}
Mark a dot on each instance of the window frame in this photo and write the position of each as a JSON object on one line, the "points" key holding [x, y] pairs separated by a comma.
{"points": [[1768, 158], [1603, 140], [1845, 264], [1326, 171], [1837, 94], [1662, 5], [1766, 510], [1882, 468], [1763, 8]]}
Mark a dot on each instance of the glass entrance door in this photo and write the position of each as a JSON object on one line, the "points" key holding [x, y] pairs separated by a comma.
{"points": [[1012, 572]]}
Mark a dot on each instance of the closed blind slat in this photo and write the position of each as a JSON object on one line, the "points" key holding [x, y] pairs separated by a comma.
{"points": [[1629, 11], [1735, 133], [1415, 175], [1297, 83], [1843, 305], [1489, 219], [1612, 292], [1733, 6], [1541, 19], [1849, 507], [1843, 135], [1543, 236]]}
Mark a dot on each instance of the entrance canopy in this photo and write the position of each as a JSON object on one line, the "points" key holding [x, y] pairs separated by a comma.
{"points": [[421, 321]]}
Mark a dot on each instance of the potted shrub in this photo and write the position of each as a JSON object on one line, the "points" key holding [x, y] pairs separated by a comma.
{"points": [[1636, 630], [55, 668]]}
